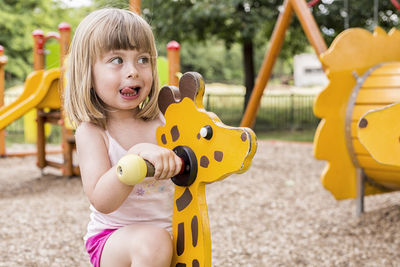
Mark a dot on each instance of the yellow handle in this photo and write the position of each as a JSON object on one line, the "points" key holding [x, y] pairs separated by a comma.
{"points": [[131, 169]]}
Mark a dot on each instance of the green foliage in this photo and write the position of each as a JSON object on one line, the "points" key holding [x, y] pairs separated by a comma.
{"points": [[18, 19], [331, 16], [123, 4], [212, 59], [229, 20], [203, 27]]}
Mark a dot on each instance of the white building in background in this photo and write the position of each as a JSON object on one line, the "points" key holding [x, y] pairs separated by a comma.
{"points": [[308, 71]]}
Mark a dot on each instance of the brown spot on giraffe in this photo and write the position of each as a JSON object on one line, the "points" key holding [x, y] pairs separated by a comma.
{"points": [[184, 200], [180, 245], [218, 155], [204, 162], [174, 133], [164, 139], [195, 230]]}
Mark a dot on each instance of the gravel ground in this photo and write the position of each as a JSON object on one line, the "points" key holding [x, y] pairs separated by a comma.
{"points": [[276, 214]]}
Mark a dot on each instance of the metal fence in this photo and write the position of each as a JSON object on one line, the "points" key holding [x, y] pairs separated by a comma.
{"points": [[287, 111], [17, 127], [282, 111]]}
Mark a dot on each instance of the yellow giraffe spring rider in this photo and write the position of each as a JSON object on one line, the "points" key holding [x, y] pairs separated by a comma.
{"points": [[210, 151]]}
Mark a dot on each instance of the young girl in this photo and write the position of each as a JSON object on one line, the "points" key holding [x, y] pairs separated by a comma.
{"points": [[111, 95]]}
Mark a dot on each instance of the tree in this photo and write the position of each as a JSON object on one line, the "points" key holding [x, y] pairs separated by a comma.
{"points": [[335, 16], [233, 21], [18, 19], [251, 22], [247, 22]]}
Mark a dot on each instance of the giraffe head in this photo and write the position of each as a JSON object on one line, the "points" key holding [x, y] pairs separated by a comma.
{"points": [[220, 150]]}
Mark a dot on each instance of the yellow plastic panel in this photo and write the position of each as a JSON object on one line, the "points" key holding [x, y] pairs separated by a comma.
{"points": [[367, 162], [378, 96], [31, 82], [387, 178], [389, 81], [354, 128], [360, 110], [380, 134], [30, 127], [359, 149], [37, 92], [52, 99], [388, 69]]}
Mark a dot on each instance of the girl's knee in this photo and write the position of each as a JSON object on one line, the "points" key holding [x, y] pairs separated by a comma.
{"points": [[154, 244], [140, 245]]}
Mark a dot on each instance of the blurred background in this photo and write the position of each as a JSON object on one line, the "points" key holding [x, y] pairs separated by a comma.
{"points": [[225, 41]]}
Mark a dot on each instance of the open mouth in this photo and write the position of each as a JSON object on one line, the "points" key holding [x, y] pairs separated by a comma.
{"points": [[129, 92]]}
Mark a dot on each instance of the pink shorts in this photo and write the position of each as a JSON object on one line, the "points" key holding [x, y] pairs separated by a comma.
{"points": [[95, 244]]}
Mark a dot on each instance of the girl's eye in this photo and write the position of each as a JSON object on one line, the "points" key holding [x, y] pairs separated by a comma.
{"points": [[144, 60], [116, 60]]}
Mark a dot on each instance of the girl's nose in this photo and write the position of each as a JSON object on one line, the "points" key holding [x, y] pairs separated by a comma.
{"points": [[132, 71], [133, 75]]}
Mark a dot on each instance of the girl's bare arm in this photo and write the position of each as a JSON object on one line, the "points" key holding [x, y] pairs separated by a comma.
{"points": [[100, 182]]}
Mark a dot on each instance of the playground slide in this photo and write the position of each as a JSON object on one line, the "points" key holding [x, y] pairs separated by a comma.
{"points": [[41, 91]]}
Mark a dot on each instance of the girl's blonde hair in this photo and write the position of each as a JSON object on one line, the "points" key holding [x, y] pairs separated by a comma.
{"points": [[102, 31]]}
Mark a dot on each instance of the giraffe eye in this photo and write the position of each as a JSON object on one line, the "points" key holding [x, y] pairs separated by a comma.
{"points": [[206, 132]]}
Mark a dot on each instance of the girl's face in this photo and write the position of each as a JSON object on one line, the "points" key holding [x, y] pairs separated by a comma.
{"points": [[123, 78]]}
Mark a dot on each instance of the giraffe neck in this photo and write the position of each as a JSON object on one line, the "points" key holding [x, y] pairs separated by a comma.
{"points": [[192, 241]]}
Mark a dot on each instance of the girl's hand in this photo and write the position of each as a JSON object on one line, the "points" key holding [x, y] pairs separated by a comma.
{"points": [[166, 163]]}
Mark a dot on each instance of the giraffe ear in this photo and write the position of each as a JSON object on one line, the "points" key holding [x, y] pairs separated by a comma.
{"points": [[191, 85], [167, 96]]}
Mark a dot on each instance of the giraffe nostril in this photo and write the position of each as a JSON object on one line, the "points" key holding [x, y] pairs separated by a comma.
{"points": [[243, 137]]}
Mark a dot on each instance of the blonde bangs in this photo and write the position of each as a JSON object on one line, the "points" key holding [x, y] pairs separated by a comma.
{"points": [[114, 32]]}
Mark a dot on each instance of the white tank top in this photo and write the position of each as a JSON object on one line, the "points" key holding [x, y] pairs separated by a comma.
{"points": [[150, 202]]}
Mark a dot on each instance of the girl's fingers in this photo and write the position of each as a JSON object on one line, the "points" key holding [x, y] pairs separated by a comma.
{"points": [[172, 167], [157, 172], [178, 165], [165, 168], [166, 164]]}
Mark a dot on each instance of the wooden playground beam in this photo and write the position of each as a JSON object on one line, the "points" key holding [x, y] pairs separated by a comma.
{"points": [[134, 6], [314, 36], [174, 64], [309, 26]]}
